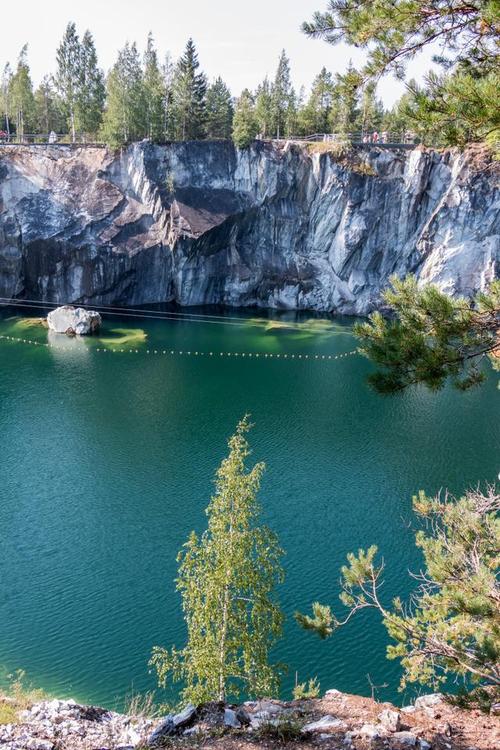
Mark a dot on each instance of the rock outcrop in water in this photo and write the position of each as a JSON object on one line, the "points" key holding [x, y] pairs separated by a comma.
{"points": [[74, 321], [275, 226]]}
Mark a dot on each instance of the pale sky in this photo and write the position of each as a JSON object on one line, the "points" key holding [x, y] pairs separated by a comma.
{"points": [[240, 41]]}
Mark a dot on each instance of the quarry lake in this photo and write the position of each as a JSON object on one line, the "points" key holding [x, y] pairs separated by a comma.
{"points": [[107, 462]]}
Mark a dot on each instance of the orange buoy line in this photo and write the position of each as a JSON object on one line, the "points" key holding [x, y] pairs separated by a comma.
{"points": [[185, 353]]}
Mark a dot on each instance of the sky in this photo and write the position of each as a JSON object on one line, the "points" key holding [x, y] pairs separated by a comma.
{"points": [[240, 41]]}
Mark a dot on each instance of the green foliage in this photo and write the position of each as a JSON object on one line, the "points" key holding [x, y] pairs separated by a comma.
{"points": [[284, 728], [432, 337], [451, 626], [346, 111], [264, 109], [453, 108], [307, 690], [21, 95], [48, 113], [219, 111], [282, 98], [315, 116], [69, 74], [322, 621], [80, 82], [189, 91], [245, 124], [227, 579], [92, 90], [125, 116], [154, 93], [394, 31]]}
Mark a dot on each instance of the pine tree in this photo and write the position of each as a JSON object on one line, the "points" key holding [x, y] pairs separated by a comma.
{"points": [[220, 110], [227, 579], [264, 108], [124, 119], [189, 90], [5, 93], [69, 75], [91, 88], [245, 123], [154, 93], [21, 94], [450, 628], [282, 96], [432, 337]]}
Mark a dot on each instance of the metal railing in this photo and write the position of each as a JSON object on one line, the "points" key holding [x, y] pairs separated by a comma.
{"points": [[44, 139], [384, 137]]}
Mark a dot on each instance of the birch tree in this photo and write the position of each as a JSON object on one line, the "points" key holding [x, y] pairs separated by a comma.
{"points": [[227, 579]]}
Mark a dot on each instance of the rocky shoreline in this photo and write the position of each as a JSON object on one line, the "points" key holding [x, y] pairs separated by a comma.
{"points": [[337, 720]]}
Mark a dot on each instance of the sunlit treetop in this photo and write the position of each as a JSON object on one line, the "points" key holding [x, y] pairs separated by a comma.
{"points": [[393, 31]]}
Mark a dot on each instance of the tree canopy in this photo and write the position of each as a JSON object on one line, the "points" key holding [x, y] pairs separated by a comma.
{"points": [[227, 579], [451, 625], [466, 39], [431, 337]]}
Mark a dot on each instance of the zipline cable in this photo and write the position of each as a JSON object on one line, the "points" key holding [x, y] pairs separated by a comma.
{"points": [[148, 314]]}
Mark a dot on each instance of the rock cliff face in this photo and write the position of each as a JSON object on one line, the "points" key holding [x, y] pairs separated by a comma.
{"points": [[204, 223]]}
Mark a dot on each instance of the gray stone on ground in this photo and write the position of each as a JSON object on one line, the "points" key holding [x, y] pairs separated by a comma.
{"points": [[404, 739], [391, 720], [74, 320], [231, 719], [428, 701], [323, 724]]}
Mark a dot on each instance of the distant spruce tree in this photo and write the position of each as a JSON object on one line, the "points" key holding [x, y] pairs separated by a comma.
{"points": [[264, 108], [154, 93], [68, 76], [189, 91], [346, 112], [6, 98], [371, 109], [220, 110], [167, 71], [48, 113], [125, 116], [245, 123], [282, 97], [92, 90], [227, 579], [21, 94], [315, 116]]}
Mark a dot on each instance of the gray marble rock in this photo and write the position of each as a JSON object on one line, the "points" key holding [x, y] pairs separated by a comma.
{"points": [[272, 226]]}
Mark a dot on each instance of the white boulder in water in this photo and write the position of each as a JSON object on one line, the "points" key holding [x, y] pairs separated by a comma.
{"points": [[74, 320]]}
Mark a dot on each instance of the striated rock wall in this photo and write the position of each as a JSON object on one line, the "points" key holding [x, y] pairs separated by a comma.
{"points": [[274, 226]]}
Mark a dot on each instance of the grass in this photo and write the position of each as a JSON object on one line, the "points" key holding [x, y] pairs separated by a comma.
{"points": [[285, 728], [142, 706], [19, 696], [8, 712]]}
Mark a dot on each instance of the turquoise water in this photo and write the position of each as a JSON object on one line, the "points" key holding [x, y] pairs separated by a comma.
{"points": [[107, 461]]}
